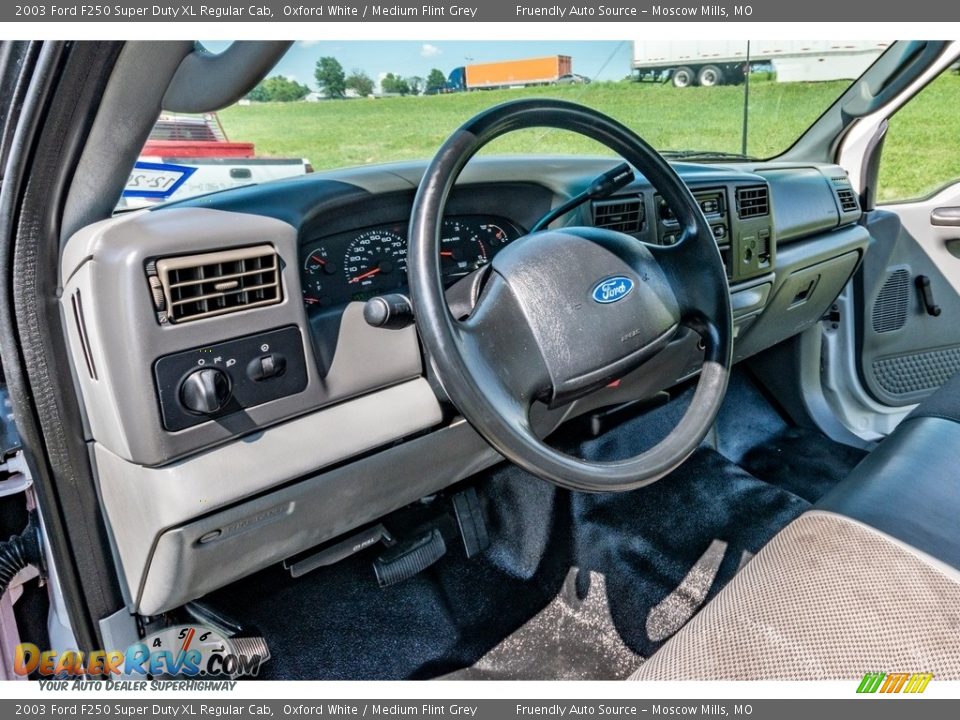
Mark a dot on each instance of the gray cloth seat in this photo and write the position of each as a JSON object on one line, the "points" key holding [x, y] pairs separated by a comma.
{"points": [[868, 581], [909, 487]]}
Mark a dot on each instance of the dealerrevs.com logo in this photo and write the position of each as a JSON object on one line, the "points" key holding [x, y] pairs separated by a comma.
{"points": [[186, 651], [898, 682]]}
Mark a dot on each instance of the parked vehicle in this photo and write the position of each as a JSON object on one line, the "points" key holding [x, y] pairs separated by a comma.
{"points": [[511, 73], [725, 62], [573, 79], [190, 155]]}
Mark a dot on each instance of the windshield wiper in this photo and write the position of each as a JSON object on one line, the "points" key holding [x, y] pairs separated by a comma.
{"points": [[704, 155]]}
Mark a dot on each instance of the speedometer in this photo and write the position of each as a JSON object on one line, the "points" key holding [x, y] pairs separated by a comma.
{"points": [[375, 260]]}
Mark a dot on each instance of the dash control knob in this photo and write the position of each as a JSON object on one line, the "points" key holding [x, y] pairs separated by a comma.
{"points": [[205, 391]]}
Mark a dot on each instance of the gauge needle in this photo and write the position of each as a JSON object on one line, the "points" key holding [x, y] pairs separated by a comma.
{"points": [[367, 274], [446, 253], [319, 260]]}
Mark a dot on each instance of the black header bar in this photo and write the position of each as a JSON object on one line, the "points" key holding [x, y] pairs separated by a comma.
{"points": [[479, 11]]}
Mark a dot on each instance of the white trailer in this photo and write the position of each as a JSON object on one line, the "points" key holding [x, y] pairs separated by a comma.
{"points": [[724, 62]]}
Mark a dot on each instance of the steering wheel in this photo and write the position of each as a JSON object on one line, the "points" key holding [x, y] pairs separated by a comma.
{"points": [[564, 312]]}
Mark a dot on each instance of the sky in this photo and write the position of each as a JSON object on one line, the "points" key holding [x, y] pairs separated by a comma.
{"points": [[599, 60]]}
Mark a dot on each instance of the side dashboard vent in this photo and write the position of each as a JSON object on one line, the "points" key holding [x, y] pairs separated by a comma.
{"points": [[845, 195], [753, 202], [848, 200], [190, 287], [623, 214], [890, 308]]}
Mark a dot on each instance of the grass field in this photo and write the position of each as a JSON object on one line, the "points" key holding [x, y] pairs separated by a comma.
{"points": [[336, 134]]}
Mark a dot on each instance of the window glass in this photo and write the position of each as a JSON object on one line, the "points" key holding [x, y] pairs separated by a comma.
{"points": [[921, 151], [340, 104]]}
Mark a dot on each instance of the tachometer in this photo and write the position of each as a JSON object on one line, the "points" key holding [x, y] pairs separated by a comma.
{"points": [[375, 259], [317, 269], [461, 249]]}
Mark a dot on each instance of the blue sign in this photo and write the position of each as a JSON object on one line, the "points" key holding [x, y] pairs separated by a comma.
{"points": [[156, 181]]}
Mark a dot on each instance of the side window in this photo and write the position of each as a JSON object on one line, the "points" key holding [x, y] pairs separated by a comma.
{"points": [[921, 153]]}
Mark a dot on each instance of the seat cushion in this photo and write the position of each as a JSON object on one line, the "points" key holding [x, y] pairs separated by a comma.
{"points": [[944, 403], [866, 582], [909, 487], [827, 599]]}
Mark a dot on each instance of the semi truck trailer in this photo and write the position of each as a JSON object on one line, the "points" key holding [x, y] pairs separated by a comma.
{"points": [[510, 73], [725, 62]]}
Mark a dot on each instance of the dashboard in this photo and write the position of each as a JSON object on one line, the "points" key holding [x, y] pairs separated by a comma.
{"points": [[357, 265], [241, 409]]}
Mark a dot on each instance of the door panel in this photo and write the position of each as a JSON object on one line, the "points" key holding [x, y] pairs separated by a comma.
{"points": [[909, 346]]}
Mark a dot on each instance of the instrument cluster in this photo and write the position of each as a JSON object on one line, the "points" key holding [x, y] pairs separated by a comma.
{"points": [[359, 264]]}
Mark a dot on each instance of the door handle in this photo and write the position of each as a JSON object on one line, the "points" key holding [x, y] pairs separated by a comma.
{"points": [[945, 217], [926, 295]]}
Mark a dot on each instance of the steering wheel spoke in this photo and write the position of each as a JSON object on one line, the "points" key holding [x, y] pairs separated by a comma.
{"points": [[502, 351], [703, 302]]}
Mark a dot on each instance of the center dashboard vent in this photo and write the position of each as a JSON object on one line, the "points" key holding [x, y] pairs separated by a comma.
{"points": [[623, 214], [753, 202], [191, 287]]}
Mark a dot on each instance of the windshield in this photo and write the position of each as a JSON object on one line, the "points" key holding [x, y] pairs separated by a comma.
{"points": [[333, 105]]}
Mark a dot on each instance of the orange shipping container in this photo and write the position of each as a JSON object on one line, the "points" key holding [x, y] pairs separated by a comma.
{"points": [[531, 71]]}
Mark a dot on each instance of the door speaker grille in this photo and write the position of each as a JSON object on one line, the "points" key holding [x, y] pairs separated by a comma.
{"points": [[890, 308]]}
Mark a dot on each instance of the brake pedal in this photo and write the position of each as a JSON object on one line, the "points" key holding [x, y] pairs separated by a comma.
{"points": [[407, 558]]}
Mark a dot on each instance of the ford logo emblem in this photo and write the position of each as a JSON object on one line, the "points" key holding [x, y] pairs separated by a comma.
{"points": [[612, 289]]}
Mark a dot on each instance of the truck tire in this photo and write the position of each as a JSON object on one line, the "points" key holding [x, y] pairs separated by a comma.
{"points": [[710, 76], [683, 77]]}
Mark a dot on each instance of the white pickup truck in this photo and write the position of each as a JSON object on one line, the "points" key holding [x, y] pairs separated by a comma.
{"points": [[189, 155]]}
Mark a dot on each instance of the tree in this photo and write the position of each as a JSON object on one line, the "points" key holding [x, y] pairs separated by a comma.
{"points": [[278, 89], [436, 82], [358, 80], [330, 78], [394, 84], [415, 83]]}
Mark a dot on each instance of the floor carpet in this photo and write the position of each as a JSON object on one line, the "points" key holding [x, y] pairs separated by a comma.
{"points": [[574, 585]]}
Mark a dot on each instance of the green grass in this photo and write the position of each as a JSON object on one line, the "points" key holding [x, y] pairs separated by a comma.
{"points": [[344, 133], [921, 152]]}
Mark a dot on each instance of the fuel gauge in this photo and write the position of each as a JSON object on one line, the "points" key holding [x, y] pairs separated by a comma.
{"points": [[317, 269]]}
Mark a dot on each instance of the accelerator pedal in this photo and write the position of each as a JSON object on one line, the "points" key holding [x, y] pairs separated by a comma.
{"points": [[470, 520], [407, 558]]}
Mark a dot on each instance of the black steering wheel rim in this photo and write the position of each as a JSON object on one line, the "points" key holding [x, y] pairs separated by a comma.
{"points": [[480, 392]]}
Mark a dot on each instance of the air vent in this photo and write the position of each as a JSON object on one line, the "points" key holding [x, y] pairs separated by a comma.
{"points": [[848, 200], [191, 287], [890, 308], [845, 194], [623, 214], [753, 202]]}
